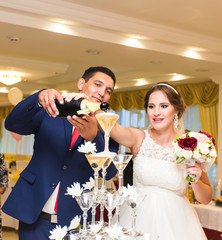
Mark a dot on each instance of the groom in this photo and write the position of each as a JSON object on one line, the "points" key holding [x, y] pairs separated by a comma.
{"points": [[55, 165]]}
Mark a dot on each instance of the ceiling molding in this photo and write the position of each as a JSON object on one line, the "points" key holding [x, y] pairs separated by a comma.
{"points": [[105, 20]]}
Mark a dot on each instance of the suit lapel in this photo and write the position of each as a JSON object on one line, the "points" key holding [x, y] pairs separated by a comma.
{"points": [[68, 132], [78, 141]]}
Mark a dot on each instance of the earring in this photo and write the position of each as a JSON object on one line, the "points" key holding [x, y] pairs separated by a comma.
{"points": [[150, 126], [175, 121]]}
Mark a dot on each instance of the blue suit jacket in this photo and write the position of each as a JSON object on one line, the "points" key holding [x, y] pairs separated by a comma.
{"points": [[52, 161]]}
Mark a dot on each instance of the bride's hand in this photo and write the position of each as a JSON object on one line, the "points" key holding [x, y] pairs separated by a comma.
{"points": [[196, 170]]}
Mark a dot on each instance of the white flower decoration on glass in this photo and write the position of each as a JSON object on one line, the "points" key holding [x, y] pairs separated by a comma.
{"points": [[115, 231], [88, 148], [75, 223], [130, 192], [58, 233], [96, 228], [74, 190], [98, 237], [89, 185]]}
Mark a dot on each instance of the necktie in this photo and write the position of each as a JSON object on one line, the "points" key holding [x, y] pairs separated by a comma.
{"points": [[56, 203], [75, 135]]}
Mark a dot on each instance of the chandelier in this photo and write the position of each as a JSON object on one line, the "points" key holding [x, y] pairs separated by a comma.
{"points": [[10, 77]]}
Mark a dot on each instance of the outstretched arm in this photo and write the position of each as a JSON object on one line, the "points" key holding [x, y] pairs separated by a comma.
{"points": [[128, 137]]}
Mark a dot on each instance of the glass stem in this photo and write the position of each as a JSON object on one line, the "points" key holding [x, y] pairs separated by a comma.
{"points": [[84, 229], [106, 142], [110, 217], [101, 213], [133, 227], [93, 214], [104, 180], [120, 179], [96, 175], [118, 213]]}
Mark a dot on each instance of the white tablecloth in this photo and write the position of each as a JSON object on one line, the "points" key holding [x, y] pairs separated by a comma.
{"points": [[210, 216]]}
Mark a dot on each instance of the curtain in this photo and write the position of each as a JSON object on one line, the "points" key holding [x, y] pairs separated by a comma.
{"points": [[4, 111], [205, 94]]}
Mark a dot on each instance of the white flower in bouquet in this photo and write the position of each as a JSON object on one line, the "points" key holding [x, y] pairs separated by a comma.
{"points": [[213, 153], [96, 228], [58, 233], [75, 223], [89, 185], [204, 148], [186, 153], [75, 190], [194, 146], [115, 231], [196, 154], [88, 148]]}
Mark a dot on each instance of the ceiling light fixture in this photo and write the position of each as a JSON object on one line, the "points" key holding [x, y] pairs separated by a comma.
{"points": [[10, 77], [3, 90], [141, 82], [13, 39], [192, 54], [177, 77], [133, 43]]}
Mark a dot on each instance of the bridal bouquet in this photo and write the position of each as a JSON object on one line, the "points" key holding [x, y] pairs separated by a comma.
{"points": [[195, 146]]}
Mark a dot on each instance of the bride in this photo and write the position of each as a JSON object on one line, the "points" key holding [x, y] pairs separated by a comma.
{"points": [[165, 211]]}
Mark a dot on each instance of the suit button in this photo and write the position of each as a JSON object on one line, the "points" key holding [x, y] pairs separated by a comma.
{"points": [[53, 185], [30, 108], [64, 167]]}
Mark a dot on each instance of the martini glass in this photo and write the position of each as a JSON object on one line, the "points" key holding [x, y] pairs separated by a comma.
{"points": [[134, 205], [110, 202], [85, 201], [96, 162], [110, 156], [106, 122], [120, 161]]}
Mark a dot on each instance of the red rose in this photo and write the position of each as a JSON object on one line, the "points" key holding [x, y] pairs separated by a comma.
{"points": [[188, 143], [209, 136]]}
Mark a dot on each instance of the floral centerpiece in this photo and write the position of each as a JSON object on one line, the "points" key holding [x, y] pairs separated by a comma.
{"points": [[195, 146]]}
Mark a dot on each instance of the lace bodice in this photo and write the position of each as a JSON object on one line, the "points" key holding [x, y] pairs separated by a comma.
{"points": [[156, 166]]}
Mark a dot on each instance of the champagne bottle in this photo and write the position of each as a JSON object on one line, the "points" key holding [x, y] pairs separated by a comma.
{"points": [[79, 107]]}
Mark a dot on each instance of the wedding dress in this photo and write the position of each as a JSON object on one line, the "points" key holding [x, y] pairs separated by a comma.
{"points": [[163, 209]]}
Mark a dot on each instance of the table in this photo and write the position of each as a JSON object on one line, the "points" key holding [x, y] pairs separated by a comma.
{"points": [[210, 217], [8, 221]]}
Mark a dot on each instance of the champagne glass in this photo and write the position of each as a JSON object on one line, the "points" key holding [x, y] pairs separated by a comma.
{"points": [[96, 162], [106, 122], [110, 202], [73, 235], [85, 201], [135, 204], [120, 161], [110, 156]]}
